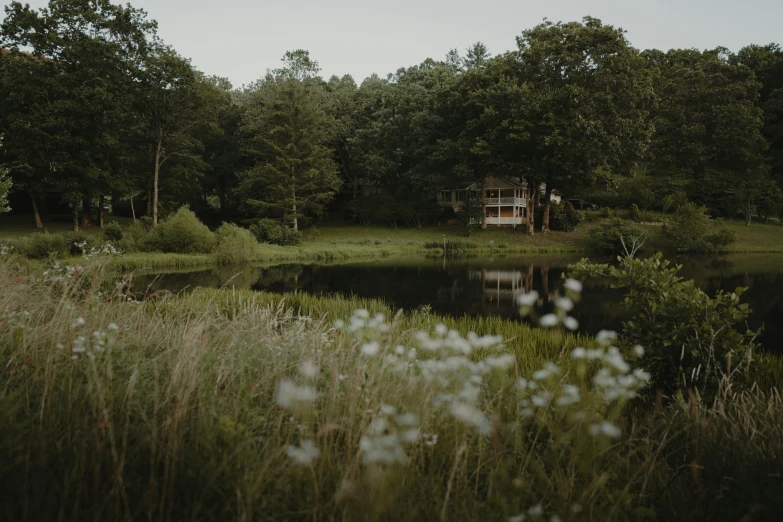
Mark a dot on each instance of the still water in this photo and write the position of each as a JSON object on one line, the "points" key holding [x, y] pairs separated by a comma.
{"points": [[488, 286]]}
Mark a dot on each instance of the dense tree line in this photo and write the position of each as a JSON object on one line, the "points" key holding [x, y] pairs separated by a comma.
{"points": [[93, 105]]}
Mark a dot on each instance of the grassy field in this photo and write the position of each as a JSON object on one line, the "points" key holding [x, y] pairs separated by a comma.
{"points": [[336, 242], [227, 405]]}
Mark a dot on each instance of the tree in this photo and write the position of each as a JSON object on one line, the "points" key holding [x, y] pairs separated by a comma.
{"points": [[85, 55], [5, 186], [173, 100], [592, 93], [707, 128], [289, 128], [766, 62]]}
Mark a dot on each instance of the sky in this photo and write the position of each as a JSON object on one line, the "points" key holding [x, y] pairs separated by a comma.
{"points": [[241, 39]]}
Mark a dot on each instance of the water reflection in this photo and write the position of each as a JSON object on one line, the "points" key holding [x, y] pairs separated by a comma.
{"points": [[489, 286]]}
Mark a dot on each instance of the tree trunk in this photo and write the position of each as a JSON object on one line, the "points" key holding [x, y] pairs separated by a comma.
{"points": [[133, 210], [547, 204], [86, 210], [100, 211], [36, 213], [75, 212], [531, 212], [484, 204], [293, 197], [158, 151]]}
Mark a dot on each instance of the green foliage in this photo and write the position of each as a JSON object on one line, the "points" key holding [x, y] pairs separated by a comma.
{"points": [[113, 232], [45, 245], [692, 231], [605, 213], [234, 245], [5, 187], [273, 232], [615, 236], [181, 233], [470, 213], [691, 340], [635, 215]]}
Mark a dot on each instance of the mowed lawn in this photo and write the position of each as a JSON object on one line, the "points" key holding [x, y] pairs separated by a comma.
{"points": [[347, 239]]}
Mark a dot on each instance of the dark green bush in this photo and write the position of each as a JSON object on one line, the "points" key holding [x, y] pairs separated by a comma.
{"points": [[610, 234], [44, 245], [181, 233], [605, 213], [234, 245], [635, 215], [692, 231], [691, 340], [112, 232], [569, 218], [273, 232], [469, 214]]}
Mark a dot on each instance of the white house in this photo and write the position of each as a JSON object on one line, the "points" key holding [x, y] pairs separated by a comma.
{"points": [[506, 199]]}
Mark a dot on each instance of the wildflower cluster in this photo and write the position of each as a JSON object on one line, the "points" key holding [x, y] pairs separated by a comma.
{"points": [[60, 273], [107, 249], [91, 344], [6, 249], [300, 398], [387, 435], [563, 305]]}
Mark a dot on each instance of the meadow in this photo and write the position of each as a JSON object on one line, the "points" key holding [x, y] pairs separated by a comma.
{"points": [[238, 405]]}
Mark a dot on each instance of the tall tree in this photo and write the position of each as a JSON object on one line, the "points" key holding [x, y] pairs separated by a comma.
{"points": [[708, 128], [289, 127], [593, 93]]}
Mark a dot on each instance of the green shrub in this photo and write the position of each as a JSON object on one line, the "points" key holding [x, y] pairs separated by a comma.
{"points": [[234, 245], [112, 232], [569, 218], [606, 213], [469, 214], [635, 215], [181, 233], [273, 232], [691, 340], [44, 245], [610, 235], [693, 232]]}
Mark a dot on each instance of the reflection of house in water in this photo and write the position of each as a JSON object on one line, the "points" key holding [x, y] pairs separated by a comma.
{"points": [[502, 285]]}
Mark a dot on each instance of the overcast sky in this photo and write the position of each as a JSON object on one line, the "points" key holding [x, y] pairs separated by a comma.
{"points": [[240, 39]]}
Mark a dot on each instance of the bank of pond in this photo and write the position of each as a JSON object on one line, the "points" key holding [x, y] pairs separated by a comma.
{"points": [[488, 286]]}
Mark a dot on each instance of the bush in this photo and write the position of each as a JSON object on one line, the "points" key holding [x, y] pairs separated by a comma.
{"points": [[610, 234], [635, 215], [470, 213], [44, 245], [234, 245], [112, 232], [569, 218], [691, 340], [181, 233], [273, 232], [562, 217], [606, 213], [692, 231]]}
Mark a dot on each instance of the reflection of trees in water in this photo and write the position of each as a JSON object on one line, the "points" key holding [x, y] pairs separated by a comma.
{"points": [[280, 278], [457, 288], [241, 278]]}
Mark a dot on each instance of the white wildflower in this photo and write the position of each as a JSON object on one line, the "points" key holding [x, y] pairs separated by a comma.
{"points": [[78, 322], [290, 395], [605, 428], [548, 321], [370, 349], [304, 454], [441, 329], [571, 323], [407, 419], [471, 415], [565, 304], [638, 350], [573, 285], [578, 353], [606, 337], [535, 511], [517, 518], [528, 299], [387, 409], [430, 439], [308, 369]]}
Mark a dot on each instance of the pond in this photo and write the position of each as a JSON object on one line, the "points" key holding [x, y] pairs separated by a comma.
{"points": [[489, 285]]}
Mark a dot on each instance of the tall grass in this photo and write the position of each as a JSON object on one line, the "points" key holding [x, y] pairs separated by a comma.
{"points": [[171, 409]]}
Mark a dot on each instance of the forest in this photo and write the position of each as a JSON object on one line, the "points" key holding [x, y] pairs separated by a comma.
{"points": [[97, 112]]}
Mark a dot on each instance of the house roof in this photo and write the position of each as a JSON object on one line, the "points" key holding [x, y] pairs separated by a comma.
{"points": [[492, 182]]}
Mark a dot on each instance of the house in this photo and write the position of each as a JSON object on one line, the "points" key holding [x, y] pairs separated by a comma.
{"points": [[506, 199]]}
